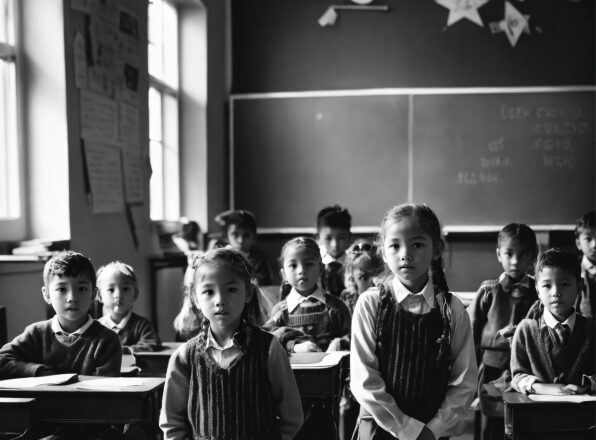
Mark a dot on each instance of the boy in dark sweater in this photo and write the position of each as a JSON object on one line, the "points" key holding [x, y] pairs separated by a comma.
{"points": [[585, 240], [70, 342], [118, 290], [553, 353]]}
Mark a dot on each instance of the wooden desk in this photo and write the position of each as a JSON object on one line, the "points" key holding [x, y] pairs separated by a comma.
{"points": [[157, 263], [16, 414], [68, 404], [526, 419], [155, 363]]}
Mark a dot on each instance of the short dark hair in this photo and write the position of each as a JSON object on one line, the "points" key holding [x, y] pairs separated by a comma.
{"points": [[561, 259], [240, 217], [69, 264], [334, 217], [586, 221]]}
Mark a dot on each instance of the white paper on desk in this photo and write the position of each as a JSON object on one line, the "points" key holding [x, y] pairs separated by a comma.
{"points": [[110, 383], [27, 382], [327, 361], [572, 398]]}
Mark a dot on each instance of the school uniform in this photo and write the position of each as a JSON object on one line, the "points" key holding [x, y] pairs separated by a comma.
{"points": [[540, 353], [134, 331], [318, 317], [333, 277], [231, 392], [90, 350], [262, 272], [349, 298], [586, 300], [387, 374]]}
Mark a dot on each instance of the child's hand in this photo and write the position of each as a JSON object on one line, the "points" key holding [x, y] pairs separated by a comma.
{"points": [[425, 434], [556, 389], [334, 345], [507, 332], [305, 347]]}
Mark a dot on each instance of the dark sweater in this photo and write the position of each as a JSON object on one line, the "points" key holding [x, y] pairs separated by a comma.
{"points": [[233, 403], [316, 322], [96, 352], [533, 352], [586, 300], [138, 334], [492, 309]]}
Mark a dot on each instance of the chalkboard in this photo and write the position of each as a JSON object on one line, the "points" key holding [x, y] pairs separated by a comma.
{"points": [[293, 156], [478, 159], [497, 158]]}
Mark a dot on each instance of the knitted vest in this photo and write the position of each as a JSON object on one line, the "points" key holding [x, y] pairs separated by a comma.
{"points": [[312, 318], [233, 403], [409, 361]]}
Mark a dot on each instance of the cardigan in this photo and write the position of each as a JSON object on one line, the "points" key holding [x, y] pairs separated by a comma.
{"points": [[138, 333]]}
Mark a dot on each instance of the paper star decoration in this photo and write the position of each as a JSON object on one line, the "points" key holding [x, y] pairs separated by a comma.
{"points": [[513, 24], [459, 9]]}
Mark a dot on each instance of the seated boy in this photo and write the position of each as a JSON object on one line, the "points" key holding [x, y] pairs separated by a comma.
{"points": [[553, 352], [585, 240], [333, 236], [118, 291], [71, 341]]}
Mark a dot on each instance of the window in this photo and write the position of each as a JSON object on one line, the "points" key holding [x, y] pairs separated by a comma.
{"points": [[10, 192], [163, 111]]}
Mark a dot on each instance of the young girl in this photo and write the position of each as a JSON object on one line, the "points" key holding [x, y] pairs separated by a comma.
{"points": [[232, 380], [412, 360], [187, 322], [308, 319], [361, 265], [118, 291]]}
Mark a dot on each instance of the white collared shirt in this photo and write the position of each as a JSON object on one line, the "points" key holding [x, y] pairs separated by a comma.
{"points": [[417, 303], [294, 299], [328, 258], [551, 322], [524, 281], [57, 329], [369, 388], [106, 320], [223, 356], [588, 266]]}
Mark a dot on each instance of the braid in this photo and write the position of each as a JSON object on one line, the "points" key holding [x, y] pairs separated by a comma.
{"points": [[203, 331], [440, 286], [385, 298]]}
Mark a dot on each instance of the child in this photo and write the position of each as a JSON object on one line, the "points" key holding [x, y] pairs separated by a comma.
{"points": [[361, 264], [585, 240], [187, 322], [333, 236], [118, 291], [554, 352], [412, 360], [233, 380], [240, 228], [498, 307], [70, 342], [308, 319]]}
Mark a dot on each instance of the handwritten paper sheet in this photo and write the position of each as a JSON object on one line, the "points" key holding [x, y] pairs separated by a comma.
{"points": [[110, 383], [309, 361], [99, 117], [27, 382], [105, 176], [576, 398]]}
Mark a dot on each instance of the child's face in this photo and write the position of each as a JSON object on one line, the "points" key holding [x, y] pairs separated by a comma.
{"points": [[117, 292], [515, 258], [586, 242], [362, 278], [408, 251], [334, 240], [557, 290], [221, 295], [240, 238], [301, 269], [70, 297]]}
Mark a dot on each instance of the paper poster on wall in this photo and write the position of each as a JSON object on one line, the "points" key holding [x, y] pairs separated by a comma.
{"points": [[129, 125], [101, 30], [99, 117], [104, 169], [133, 176], [127, 55]]}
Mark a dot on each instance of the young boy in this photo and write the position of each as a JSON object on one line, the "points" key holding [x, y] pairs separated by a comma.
{"points": [[333, 235], [118, 290], [498, 307], [71, 341], [585, 240], [554, 352], [240, 228]]}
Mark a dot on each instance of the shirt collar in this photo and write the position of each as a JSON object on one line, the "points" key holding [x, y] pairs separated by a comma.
{"points": [[524, 281], [107, 321], [551, 321], [58, 330], [402, 292], [588, 266], [294, 299], [327, 258], [211, 342]]}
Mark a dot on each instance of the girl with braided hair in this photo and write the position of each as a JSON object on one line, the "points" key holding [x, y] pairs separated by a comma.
{"points": [[232, 380], [412, 362]]}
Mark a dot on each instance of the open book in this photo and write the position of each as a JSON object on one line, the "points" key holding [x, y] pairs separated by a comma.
{"points": [[27, 382]]}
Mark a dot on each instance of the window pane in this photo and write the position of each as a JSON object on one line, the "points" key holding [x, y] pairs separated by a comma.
{"points": [[7, 22], [170, 45], [156, 182], [9, 159], [171, 161], [155, 39], [155, 128]]}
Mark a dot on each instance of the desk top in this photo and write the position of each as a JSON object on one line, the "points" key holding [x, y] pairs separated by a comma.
{"points": [[146, 384]]}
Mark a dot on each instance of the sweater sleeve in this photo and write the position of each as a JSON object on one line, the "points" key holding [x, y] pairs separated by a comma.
{"points": [[172, 419], [478, 311], [108, 358], [521, 366], [19, 358], [287, 336], [145, 336]]}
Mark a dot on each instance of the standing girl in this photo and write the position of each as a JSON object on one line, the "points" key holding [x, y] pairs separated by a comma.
{"points": [[412, 362], [232, 380], [361, 265]]}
